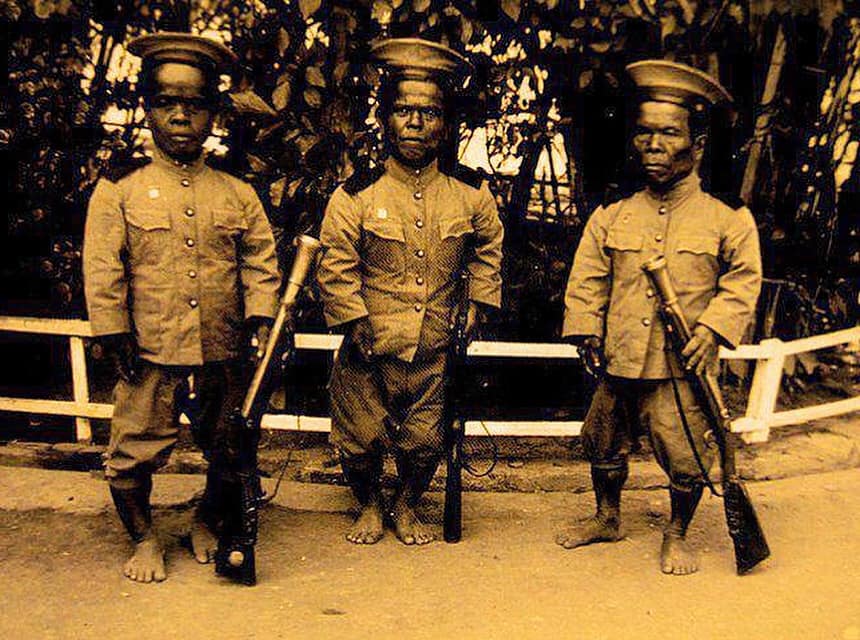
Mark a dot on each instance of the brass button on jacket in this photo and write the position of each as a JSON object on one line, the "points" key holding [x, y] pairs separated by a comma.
{"points": [[231, 274]]}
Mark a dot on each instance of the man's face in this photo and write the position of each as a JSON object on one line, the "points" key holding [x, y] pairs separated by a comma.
{"points": [[416, 125], [664, 145], [179, 112]]}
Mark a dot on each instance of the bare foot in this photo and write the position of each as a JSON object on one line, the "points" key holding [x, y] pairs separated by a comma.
{"points": [[147, 562], [367, 528], [594, 529], [203, 542], [676, 556], [408, 527]]}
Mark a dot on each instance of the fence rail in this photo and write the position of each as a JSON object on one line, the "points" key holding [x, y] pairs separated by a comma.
{"points": [[754, 425]]}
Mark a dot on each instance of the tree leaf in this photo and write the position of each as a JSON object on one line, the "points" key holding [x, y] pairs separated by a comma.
{"points": [[248, 102], [281, 94], [309, 7], [668, 25], [264, 133], [466, 30], [294, 187], [420, 6], [276, 191], [314, 77], [565, 44], [340, 71], [257, 164], [313, 98], [283, 41], [736, 12], [585, 78], [512, 9]]}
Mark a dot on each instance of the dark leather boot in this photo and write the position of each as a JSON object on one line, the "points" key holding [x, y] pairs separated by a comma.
{"points": [[133, 508]]}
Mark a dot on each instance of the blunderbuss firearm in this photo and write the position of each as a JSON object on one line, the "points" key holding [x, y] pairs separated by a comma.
{"points": [[743, 525], [234, 558], [455, 422]]}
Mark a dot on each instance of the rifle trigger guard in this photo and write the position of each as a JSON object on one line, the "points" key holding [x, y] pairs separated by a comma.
{"points": [[710, 439]]}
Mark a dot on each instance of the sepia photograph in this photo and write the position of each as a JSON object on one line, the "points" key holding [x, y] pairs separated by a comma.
{"points": [[440, 319]]}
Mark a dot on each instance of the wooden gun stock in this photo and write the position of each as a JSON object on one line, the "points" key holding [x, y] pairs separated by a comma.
{"points": [[743, 524], [235, 557]]}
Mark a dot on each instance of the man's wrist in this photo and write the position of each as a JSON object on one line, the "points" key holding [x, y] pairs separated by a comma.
{"points": [[582, 340], [259, 321]]}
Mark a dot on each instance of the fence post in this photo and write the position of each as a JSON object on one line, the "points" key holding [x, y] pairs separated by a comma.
{"points": [[80, 386], [766, 383]]}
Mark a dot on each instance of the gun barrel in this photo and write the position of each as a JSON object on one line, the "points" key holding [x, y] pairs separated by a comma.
{"points": [[657, 271], [307, 249]]}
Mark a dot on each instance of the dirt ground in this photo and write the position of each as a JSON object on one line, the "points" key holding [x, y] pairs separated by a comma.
{"points": [[61, 575]]}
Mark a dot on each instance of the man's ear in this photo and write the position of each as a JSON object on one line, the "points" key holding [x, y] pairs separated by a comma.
{"points": [[699, 144]]}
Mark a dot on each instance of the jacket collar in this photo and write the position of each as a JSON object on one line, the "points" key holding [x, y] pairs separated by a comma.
{"points": [[678, 193], [410, 176], [183, 169]]}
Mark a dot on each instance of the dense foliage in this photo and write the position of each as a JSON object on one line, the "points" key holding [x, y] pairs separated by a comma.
{"points": [[547, 100]]}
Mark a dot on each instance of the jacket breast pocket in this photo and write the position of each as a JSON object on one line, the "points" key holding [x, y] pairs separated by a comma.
{"points": [[454, 232], [228, 226], [148, 230], [696, 261], [625, 249], [456, 227], [384, 244], [229, 219]]}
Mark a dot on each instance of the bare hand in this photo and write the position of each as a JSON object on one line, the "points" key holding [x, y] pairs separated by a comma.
{"points": [[121, 348], [701, 351], [474, 318], [361, 339], [259, 340], [591, 353], [257, 330]]}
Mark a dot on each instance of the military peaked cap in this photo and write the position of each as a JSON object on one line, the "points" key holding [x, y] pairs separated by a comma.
{"points": [[185, 48], [419, 59], [665, 81]]}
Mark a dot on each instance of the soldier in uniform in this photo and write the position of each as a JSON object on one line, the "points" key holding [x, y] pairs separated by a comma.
{"points": [[395, 239], [180, 272], [713, 257]]}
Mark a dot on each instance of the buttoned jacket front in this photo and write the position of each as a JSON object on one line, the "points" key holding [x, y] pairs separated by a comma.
{"points": [[713, 259], [393, 248], [181, 255]]}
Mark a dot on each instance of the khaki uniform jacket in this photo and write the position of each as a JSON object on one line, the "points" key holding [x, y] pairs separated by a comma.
{"points": [[392, 250], [181, 255], [713, 258]]}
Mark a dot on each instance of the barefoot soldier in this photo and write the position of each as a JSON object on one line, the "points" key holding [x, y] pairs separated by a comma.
{"points": [[395, 239], [180, 270], [713, 256]]}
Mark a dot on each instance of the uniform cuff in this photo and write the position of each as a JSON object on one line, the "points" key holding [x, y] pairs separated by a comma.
{"points": [[107, 324], [337, 317], [260, 307], [490, 296], [582, 324], [728, 334]]}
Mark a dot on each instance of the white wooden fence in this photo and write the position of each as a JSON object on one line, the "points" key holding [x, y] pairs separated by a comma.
{"points": [[754, 425]]}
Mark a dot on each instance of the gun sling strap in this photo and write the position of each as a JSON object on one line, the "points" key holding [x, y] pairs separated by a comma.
{"points": [[691, 440]]}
